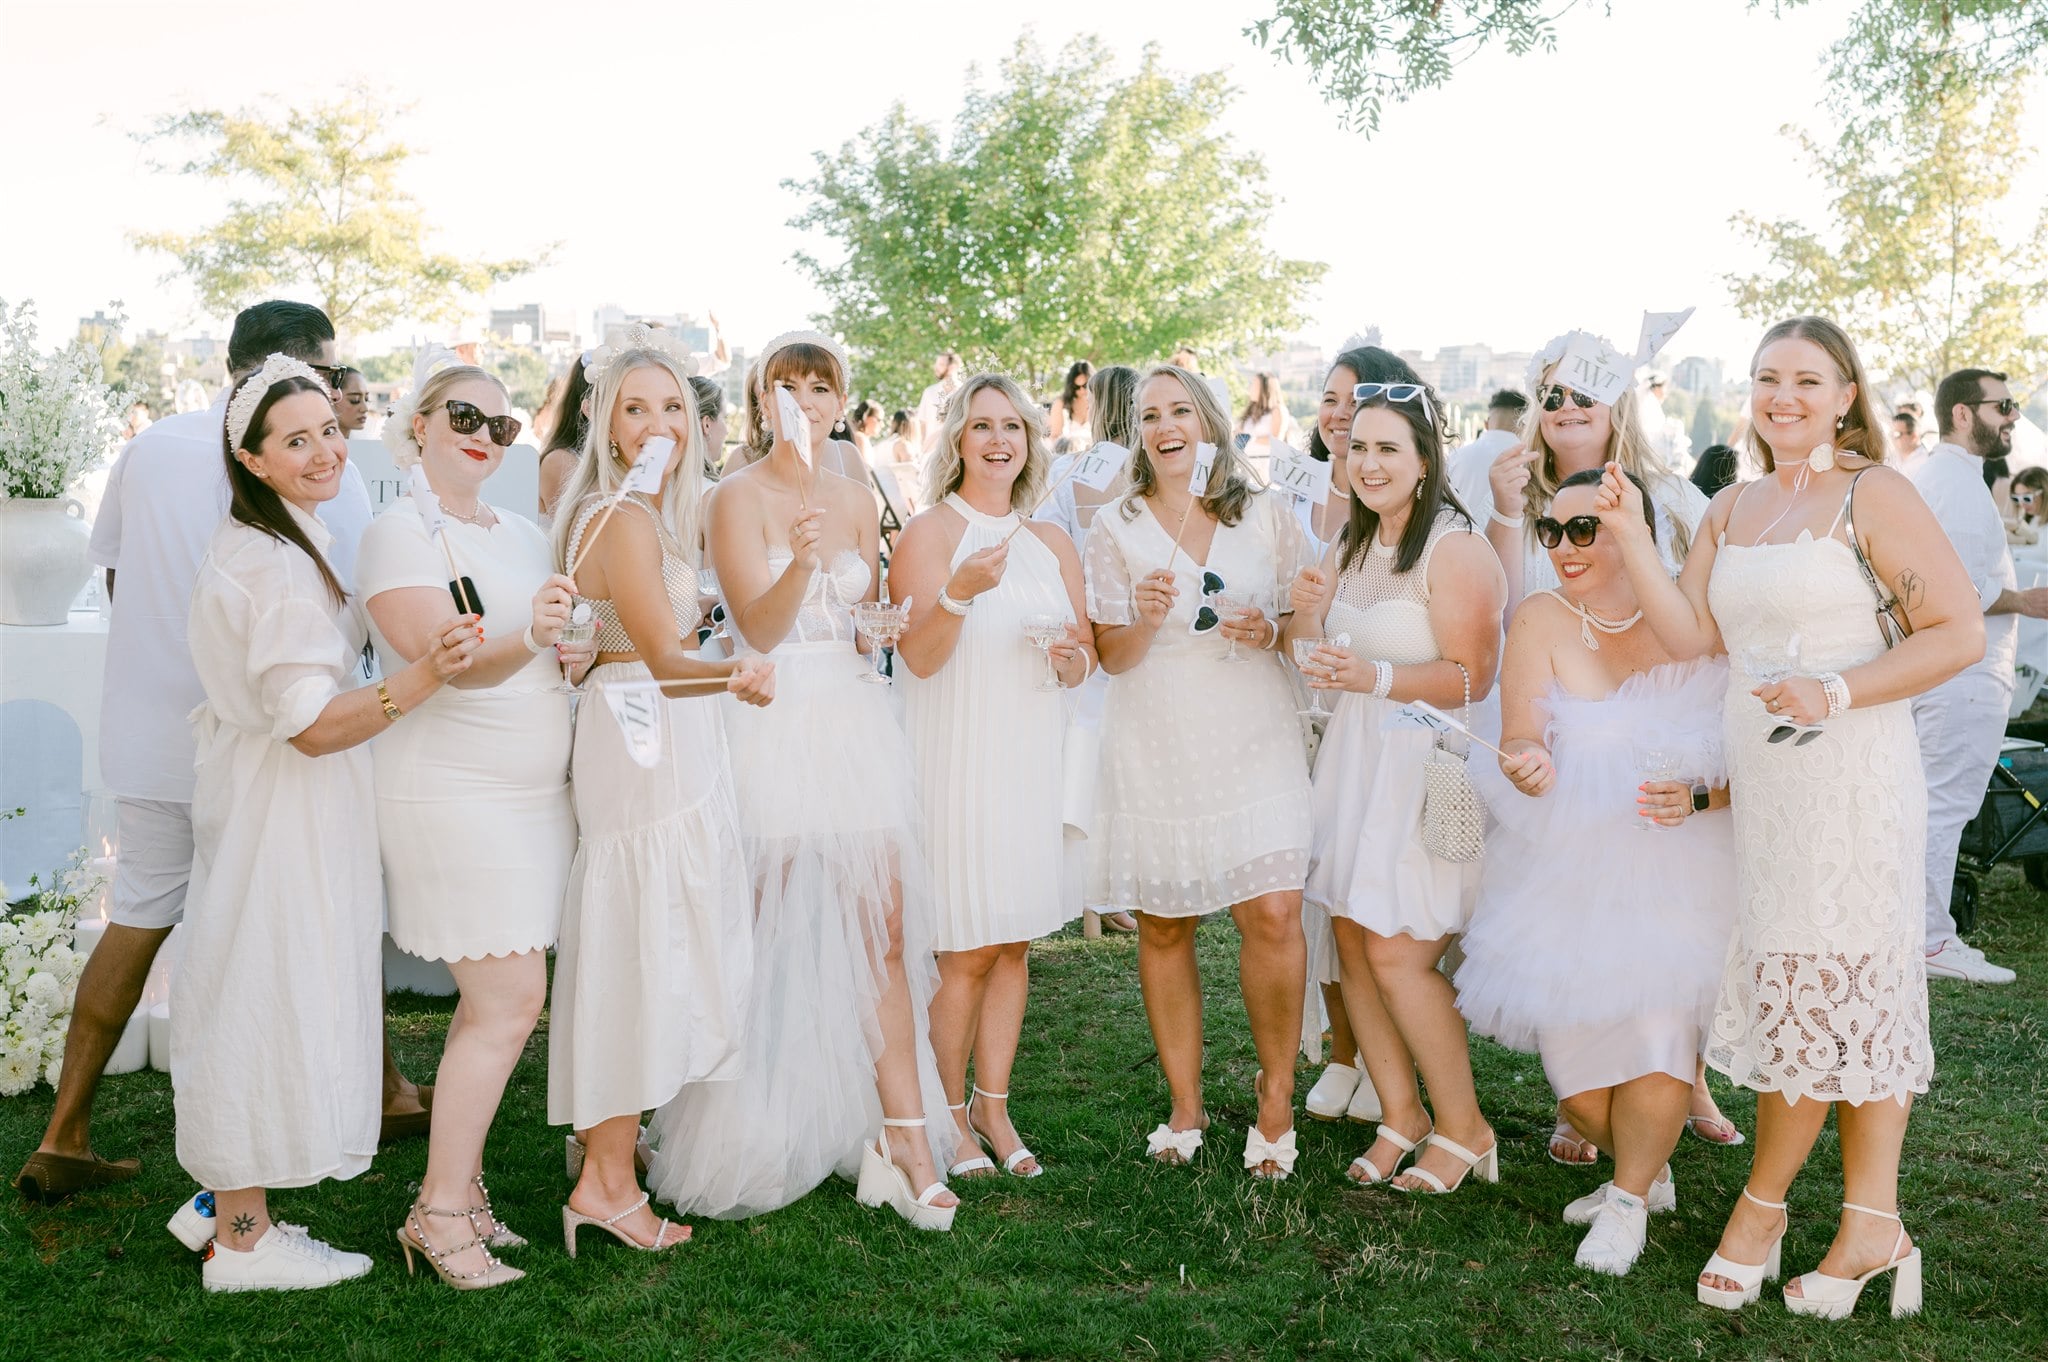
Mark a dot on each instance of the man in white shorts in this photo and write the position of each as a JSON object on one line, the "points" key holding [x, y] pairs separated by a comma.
{"points": [[166, 495]]}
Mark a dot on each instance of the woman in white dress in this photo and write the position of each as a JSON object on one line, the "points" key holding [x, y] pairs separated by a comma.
{"points": [[484, 767], [1824, 1002], [1069, 423], [989, 739], [276, 1010], [654, 958], [1417, 594], [1203, 799], [837, 1072], [1602, 953]]}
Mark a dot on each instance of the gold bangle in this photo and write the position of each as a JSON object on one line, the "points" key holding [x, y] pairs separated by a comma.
{"points": [[391, 711]]}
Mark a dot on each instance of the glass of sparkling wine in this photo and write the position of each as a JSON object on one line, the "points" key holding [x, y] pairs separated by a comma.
{"points": [[1043, 631], [881, 624], [1655, 761], [1304, 657], [580, 629], [1231, 602]]}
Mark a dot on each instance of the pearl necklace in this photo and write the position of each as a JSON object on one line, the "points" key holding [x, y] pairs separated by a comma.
{"points": [[1588, 622], [473, 518]]}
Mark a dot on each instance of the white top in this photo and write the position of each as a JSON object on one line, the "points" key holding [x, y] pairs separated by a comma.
{"points": [[1470, 463], [1951, 480], [166, 494]]}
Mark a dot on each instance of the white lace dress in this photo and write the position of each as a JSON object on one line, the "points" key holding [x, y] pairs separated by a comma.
{"points": [[829, 819], [1203, 797], [1370, 864], [1825, 993]]}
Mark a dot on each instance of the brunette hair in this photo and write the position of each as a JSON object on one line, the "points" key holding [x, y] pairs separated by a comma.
{"points": [[564, 414], [254, 502], [1590, 477], [1368, 364], [1114, 391], [790, 364], [1433, 493], [1078, 375]]}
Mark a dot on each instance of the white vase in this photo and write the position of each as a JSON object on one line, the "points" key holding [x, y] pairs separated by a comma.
{"points": [[45, 558]]}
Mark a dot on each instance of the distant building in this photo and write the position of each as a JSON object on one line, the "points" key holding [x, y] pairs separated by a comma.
{"points": [[1697, 375], [612, 322], [532, 324]]}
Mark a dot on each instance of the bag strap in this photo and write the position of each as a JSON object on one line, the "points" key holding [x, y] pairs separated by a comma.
{"points": [[1887, 603], [1464, 715]]}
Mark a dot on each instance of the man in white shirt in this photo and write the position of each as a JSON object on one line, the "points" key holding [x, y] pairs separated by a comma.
{"points": [[165, 496], [1470, 463], [931, 406], [1962, 721]]}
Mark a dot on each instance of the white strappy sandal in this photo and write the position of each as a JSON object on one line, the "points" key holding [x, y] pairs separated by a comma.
{"points": [[1366, 1173], [1749, 1278], [1017, 1155], [1834, 1297], [975, 1163], [882, 1183], [1485, 1166]]}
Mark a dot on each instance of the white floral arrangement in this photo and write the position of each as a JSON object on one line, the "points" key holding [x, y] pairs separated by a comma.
{"points": [[39, 976], [59, 417]]}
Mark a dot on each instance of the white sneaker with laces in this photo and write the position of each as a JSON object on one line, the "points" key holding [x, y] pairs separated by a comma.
{"points": [[1663, 1198], [286, 1258], [1332, 1093], [1958, 959], [1616, 1239]]}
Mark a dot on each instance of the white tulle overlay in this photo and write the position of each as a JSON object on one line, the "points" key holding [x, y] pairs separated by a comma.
{"points": [[1595, 943], [1203, 792], [1825, 994], [654, 960], [829, 820]]}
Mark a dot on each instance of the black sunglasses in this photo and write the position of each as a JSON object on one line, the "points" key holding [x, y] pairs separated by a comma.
{"points": [[2005, 406], [1206, 617], [465, 417], [330, 374], [1553, 395], [1580, 529]]}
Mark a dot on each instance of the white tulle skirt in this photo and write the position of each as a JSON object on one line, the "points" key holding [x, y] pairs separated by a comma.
{"points": [[828, 818]]}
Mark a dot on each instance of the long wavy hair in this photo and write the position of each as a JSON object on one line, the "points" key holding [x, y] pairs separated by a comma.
{"points": [[602, 465], [1627, 444], [945, 469], [1435, 494], [1863, 427], [254, 502], [1230, 490]]}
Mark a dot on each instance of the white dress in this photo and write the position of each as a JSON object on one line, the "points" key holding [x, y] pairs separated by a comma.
{"points": [[1370, 864], [989, 751], [829, 818], [656, 951], [1594, 942], [276, 1008], [486, 771], [1825, 993], [1203, 796]]}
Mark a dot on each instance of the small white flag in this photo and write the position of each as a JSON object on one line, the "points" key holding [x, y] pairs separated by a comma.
{"points": [[1293, 471], [1595, 368], [428, 505], [1205, 464], [1101, 466], [1658, 329], [637, 709], [796, 427], [648, 467]]}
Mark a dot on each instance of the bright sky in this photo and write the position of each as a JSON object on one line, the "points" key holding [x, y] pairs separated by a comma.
{"points": [[1531, 195]]}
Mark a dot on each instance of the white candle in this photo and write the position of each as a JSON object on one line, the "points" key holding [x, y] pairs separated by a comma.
{"points": [[160, 1037], [90, 930]]}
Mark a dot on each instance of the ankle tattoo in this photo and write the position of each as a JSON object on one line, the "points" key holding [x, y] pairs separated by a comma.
{"points": [[242, 1224]]}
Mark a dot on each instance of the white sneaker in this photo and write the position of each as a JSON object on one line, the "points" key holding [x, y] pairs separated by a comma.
{"points": [[1616, 1239], [286, 1258], [1956, 959], [192, 1223], [1663, 1197], [1332, 1092], [1365, 1102]]}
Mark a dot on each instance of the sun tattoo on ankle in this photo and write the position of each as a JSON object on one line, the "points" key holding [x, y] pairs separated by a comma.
{"points": [[242, 1224]]}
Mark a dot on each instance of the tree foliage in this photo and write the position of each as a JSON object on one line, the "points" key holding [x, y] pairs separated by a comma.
{"points": [[1072, 214], [1913, 262], [318, 210]]}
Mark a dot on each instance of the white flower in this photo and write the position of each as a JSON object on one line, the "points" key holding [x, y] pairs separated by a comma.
{"points": [[16, 962], [38, 930], [17, 1073], [10, 935], [54, 1070], [67, 964], [59, 417], [44, 989]]}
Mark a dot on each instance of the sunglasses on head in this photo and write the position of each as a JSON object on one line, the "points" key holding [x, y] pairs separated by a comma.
{"points": [[1580, 529], [1552, 397], [1206, 617], [465, 417], [1395, 392]]}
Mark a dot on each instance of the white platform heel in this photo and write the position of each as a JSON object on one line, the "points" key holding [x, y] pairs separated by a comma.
{"points": [[882, 1183], [1834, 1297], [1749, 1278]]}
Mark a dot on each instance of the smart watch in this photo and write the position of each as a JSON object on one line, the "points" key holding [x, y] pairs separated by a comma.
{"points": [[1700, 797]]}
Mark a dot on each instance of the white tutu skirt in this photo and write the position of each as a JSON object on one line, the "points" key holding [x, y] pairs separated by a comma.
{"points": [[654, 958], [1598, 941], [828, 817]]}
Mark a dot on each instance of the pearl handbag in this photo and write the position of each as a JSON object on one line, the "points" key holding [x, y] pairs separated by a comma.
{"points": [[1453, 818]]}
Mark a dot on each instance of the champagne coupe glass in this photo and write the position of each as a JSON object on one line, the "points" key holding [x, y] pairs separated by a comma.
{"points": [[1043, 631], [581, 628], [881, 624], [1655, 761], [1304, 654], [1230, 601]]}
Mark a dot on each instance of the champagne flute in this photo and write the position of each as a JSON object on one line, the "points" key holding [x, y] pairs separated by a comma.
{"points": [[1655, 761], [1042, 631], [1230, 601], [581, 628]]}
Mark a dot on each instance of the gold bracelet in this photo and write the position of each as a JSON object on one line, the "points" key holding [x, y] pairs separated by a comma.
{"points": [[391, 711]]}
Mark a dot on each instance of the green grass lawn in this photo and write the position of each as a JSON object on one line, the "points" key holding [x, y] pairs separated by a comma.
{"points": [[1106, 1255]]}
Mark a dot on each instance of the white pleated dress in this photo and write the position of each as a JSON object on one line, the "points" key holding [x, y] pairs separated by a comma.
{"points": [[1203, 795], [829, 819], [485, 772], [989, 751], [656, 949], [276, 1006]]}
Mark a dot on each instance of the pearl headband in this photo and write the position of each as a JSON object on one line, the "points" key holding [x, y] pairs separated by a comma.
{"points": [[249, 396]]}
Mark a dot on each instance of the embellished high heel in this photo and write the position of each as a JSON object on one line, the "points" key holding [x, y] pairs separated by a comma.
{"points": [[412, 1237], [1017, 1155], [574, 1220], [502, 1236], [1749, 1278], [882, 1183], [1834, 1297], [976, 1163]]}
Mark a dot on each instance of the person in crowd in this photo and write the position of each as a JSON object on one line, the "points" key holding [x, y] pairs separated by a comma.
{"points": [[836, 1042], [931, 404], [280, 1087], [1666, 434], [1418, 594], [2026, 503], [1603, 729], [136, 421], [860, 427], [483, 766], [1203, 797], [1718, 466], [1824, 1002], [989, 739], [1262, 421], [899, 458], [1961, 722], [1069, 424], [568, 422], [709, 395], [1905, 439], [829, 451], [164, 498], [1471, 462], [351, 400], [654, 959]]}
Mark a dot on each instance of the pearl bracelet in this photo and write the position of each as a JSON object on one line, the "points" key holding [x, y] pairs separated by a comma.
{"points": [[1513, 522], [951, 606], [1383, 680], [1837, 690]]}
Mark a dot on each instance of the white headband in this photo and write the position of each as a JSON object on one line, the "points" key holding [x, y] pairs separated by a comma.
{"points": [[817, 338], [249, 396]]}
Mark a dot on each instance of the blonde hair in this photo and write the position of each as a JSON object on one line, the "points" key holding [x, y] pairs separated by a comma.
{"points": [[1863, 427], [1230, 489], [1627, 444], [601, 466], [945, 470], [406, 450]]}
